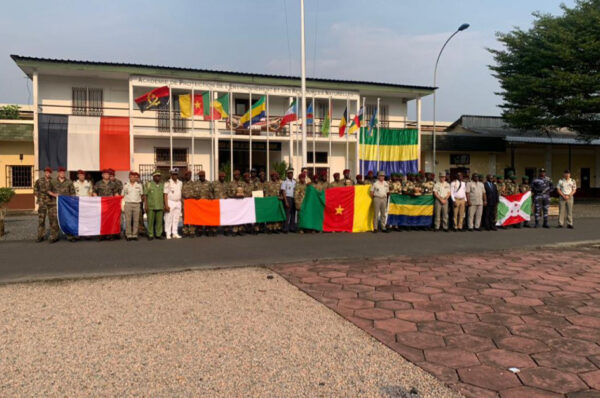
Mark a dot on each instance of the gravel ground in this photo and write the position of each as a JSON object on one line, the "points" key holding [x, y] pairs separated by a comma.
{"points": [[207, 333]]}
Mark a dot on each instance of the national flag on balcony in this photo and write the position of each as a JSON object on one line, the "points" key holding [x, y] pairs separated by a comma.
{"points": [[356, 122], [343, 122], [220, 108], [89, 216], [372, 123], [291, 115], [154, 99], [326, 124], [83, 142], [310, 118], [256, 112]]}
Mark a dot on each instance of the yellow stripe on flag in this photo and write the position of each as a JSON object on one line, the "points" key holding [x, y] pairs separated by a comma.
{"points": [[410, 210], [185, 105], [390, 153], [363, 209]]}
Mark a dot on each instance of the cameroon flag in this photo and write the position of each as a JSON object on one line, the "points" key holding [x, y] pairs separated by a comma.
{"points": [[345, 209]]}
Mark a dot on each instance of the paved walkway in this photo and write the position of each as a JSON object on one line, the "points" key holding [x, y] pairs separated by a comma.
{"points": [[470, 319]]}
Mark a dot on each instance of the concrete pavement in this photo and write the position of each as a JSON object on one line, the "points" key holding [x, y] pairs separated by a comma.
{"points": [[27, 260]]}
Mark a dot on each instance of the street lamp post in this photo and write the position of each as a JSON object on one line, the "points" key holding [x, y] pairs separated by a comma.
{"points": [[460, 29]]}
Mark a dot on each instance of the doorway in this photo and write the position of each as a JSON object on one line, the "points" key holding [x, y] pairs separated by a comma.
{"points": [[585, 178]]}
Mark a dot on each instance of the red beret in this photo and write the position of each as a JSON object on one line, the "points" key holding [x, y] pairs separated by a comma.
{"points": [[48, 169], [336, 174], [359, 176], [346, 171], [111, 172], [105, 171], [62, 169], [323, 172], [80, 172], [132, 173], [301, 175]]}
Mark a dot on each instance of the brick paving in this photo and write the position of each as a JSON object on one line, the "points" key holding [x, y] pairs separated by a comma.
{"points": [[467, 319]]}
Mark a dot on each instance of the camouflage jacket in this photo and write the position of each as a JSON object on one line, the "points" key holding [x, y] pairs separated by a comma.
{"points": [[187, 190], [202, 190], [64, 188], [501, 188], [427, 187], [248, 188], [102, 188], [41, 189], [260, 186], [299, 193], [511, 188], [396, 187], [408, 188], [524, 188], [233, 188], [219, 189], [273, 188], [118, 185], [337, 184], [347, 182]]}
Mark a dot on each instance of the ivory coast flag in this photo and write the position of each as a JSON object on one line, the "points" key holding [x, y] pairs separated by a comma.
{"points": [[345, 209], [223, 212], [514, 209]]}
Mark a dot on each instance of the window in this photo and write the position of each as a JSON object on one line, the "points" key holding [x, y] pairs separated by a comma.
{"points": [[162, 115], [162, 156], [241, 106], [19, 177], [460, 158], [322, 109], [383, 114], [87, 101], [321, 157]]}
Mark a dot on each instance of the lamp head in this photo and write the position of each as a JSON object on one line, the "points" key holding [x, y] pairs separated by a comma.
{"points": [[464, 26]]}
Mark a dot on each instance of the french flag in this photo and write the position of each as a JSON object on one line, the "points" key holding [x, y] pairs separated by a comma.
{"points": [[89, 216]]}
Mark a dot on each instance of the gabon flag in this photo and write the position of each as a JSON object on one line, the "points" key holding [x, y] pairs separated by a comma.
{"points": [[344, 209]]}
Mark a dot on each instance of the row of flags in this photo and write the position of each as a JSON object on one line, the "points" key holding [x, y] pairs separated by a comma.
{"points": [[200, 105]]}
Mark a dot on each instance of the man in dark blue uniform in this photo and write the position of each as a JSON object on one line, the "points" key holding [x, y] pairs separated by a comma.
{"points": [[540, 190]]}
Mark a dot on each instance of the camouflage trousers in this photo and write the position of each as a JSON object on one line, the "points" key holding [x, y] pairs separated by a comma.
{"points": [[50, 213], [542, 203], [189, 229]]}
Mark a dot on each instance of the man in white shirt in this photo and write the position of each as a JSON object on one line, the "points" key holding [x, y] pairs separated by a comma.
{"points": [[441, 191], [459, 198], [133, 194], [380, 191], [82, 186], [172, 193], [566, 188], [476, 200]]}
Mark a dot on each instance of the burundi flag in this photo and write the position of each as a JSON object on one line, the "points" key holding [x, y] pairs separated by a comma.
{"points": [[344, 209], [343, 122], [356, 122], [256, 112], [514, 209], [154, 99], [291, 115]]}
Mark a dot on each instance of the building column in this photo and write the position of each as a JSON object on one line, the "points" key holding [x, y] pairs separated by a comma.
{"points": [[597, 168], [36, 142], [419, 135], [549, 160], [492, 164]]}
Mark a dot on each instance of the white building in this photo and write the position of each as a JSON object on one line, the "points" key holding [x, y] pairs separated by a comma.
{"points": [[159, 139]]}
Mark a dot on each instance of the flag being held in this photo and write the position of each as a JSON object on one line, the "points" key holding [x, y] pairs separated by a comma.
{"points": [[89, 215], [514, 209], [225, 212]]}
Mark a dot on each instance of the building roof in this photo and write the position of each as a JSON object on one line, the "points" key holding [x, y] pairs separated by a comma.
{"points": [[27, 64]]}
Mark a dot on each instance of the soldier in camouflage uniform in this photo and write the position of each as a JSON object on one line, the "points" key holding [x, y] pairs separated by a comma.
{"points": [[500, 185], [248, 187], [187, 192], [360, 180], [318, 184], [336, 181], [219, 190], [540, 189], [253, 176], [299, 193], [370, 179], [347, 180], [46, 203], [273, 188], [202, 189], [260, 185], [325, 184], [395, 184], [118, 183], [427, 185], [62, 186], [236, 190], [511, 186], [409, 186], [106, 187]]}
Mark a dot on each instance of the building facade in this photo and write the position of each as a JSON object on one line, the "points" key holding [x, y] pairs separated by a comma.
{"points": [[163, 139]]}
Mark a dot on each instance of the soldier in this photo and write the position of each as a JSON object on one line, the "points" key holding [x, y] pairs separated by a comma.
{"points": [[336, 181], [379, 192], [62, 186], [523, 188], [441, 191], [427, 186], [253, 176], [46, 205], [105, 187], [511, 186], [370, 179], [305, 172], [476, 200], [566, 189], [409, 187], [236, 190], [202, 189], [260, 185], [220, 190], [540, 189], [116, 181], [172, 192], [500, 185], [396, 184], [141, 226], [273, 188], [82, 186], [133, 195], [299, 193], [359, 180], [324, 180], [347, 180], [248, 188], [287, 193], [187, 192], [154, 205]]}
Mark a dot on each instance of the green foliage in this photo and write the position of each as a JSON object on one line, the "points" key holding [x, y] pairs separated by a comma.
{"points": [[226, 168], [9, 112], [550, 74], [6, 194], [280, 168]]}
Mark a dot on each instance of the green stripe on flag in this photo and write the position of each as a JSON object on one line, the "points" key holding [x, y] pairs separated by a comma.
{"points": [[423, 200], [526, 206], [313, 208], [502, 212], [392, 137], [269, 209]]}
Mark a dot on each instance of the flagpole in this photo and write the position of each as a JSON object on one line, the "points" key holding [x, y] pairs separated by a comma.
{"points": [[230, 134], [299, 130], [212, 138], [216, 140], [357, 165], [314, 134], [330, 114], [250, 132], [346, 129], [268, 134], [291, 141], [378, 133], [303, 84], [170, 127], [193, 143]]}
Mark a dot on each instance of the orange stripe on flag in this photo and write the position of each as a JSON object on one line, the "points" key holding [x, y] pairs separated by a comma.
{"points": [[202, 212]]}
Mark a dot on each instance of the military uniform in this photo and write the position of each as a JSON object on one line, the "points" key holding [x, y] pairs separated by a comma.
{"points": [[427, 187], [105, 188], [337, 184], [409, 188], [156, 206], [118, 186], [348, 182], [61, 188], [83, 188], [501, 186], [511, 188], [273, 188], [188, 192], [540, 189], [46, 206]]}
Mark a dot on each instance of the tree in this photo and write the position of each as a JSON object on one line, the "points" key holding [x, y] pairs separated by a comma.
{"points": [[9, 112], [550, 74]]}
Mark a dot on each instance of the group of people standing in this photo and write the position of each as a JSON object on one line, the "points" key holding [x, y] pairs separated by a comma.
{"points": [[464, 198]]}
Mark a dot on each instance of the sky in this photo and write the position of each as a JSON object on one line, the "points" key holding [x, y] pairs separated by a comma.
{"points": [[394, 41]]}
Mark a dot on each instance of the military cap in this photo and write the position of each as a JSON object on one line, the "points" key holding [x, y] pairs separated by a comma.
{"points": [[359, 176], [301, 175], [525, 178], [80, 171], [105, 171], [62, 169], [156, 173], [513, 177], [132, 173], [48, 169], [323, 172], [253, 170], [500, 177], [174, 171], [290, 170], [400, 174], [274, 173], [204, 172], [380, 173], [346, 171], [188, 173], [567, 171], [442, 174], [336, 175], [370, 173], [542, 170], [246, 174], [394, 174], [111, 172]]}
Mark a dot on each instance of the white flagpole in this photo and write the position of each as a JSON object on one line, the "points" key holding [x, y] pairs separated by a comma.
{"points": [[346, 129], [314, 134], [250, 132], [230, 134], [299, 130], [303, 84], [216, 129], [193, 143], [378, 133], [268, 139], [330, 115], [360, 129], [170, 127], [212, 139], [291, 135]]}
